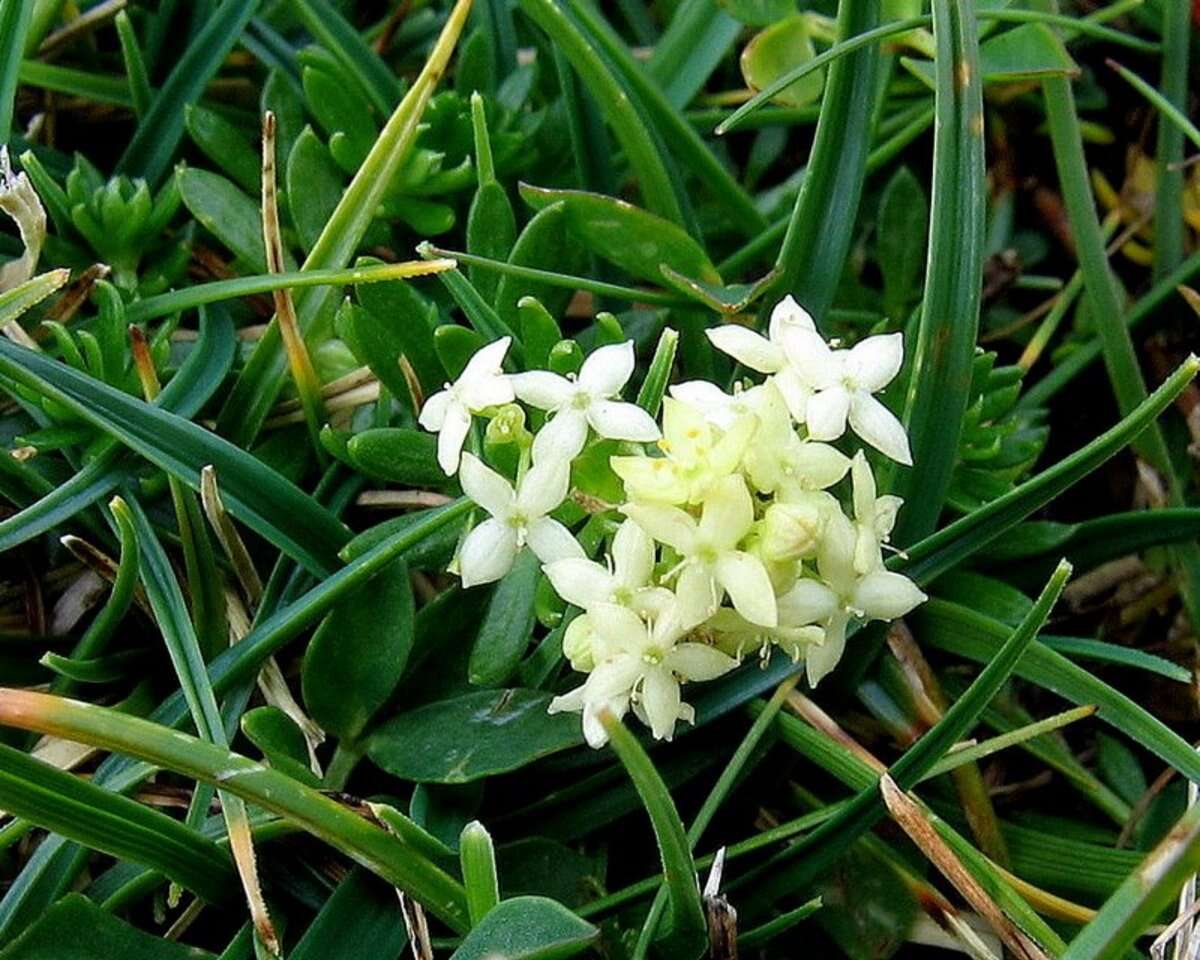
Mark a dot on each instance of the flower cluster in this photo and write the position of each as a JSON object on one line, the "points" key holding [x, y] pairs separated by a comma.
{"points": [[730, 541]]}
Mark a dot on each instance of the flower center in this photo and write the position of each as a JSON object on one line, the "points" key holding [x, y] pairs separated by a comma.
{"points": [[581, 400]]}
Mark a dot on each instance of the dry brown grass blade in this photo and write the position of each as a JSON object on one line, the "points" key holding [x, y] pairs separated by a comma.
{"points": [[912, 821], [229, 538]]}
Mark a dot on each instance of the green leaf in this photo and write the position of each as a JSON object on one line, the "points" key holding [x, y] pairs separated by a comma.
{"points": [[226, 146], [637, 241], [527, 928], [471, 736], [397, 455], [900, 241], [477, 858], [759, 13], [360, 919], [773, 52], [281, 742], [149, 152], [14, 26], [1027, 52], [685, 931], [1120, 769], [116, 825], [507, 625], [940, 382], [358, 654], [256, 495], [227, 213], [314, 186], [77, 929], [544, 242]]}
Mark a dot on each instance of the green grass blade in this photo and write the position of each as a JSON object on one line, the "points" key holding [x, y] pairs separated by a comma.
{"points": [[942, 357], [153, 144], [687, 145], [269, 789], [641, 151], [135, 67], [14, 25], [258, 496], [1140, 900], [197, 379], [818, 237], [263, 376], [695, 42], [1165, 107], [825, 844], [687, 933], [75, 808]]}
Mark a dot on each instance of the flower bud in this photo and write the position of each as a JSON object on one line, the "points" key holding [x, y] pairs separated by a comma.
{"points": [[508, 426], [578, 643], [791, 531]]}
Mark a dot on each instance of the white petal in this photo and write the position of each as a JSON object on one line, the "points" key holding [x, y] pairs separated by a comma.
{"points": [[728, 451], [686, 432], [487, 360], [835, 556], [593, 729], [621, 629], [819, 661], [487, 553], [650, 478], [748, 348], [542, 389], [482, 392], [580, 581], [633, 555], [543, 488], [698, 661], [706, 397], [809, 356], [826, 413], [456, 424], [433, 414], [607, 369], [874, 363], [551, 541], [809, 601], [622, 421], [884, 595], [746, 581], [697, 593], [788, 312], [795, 392], [728, 513], [569, 702], [660, 700], [486, 487], [863, 481], [668, 525], [820, 464], [613, 678], [878, 426], [562, 438]]}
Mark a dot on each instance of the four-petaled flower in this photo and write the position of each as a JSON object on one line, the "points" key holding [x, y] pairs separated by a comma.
{"points": [[641, 664], [711, 563], [586, 400], [843, 594], [777, 354], [874, 516], [518, 519], [842, 383], [448, 412]]}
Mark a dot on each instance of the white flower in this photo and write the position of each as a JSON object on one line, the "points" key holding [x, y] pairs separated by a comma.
{"points": [[843, 381], [874, 516], [518, 519], [448, 412], [626, 581], [842, 594], [779, 462], [774, 354], [712, 566], [696, 456], [793, 635], [642, 664], [719, 408], [587, 399]]}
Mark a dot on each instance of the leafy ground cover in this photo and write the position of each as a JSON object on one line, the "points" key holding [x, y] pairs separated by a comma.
{"points": [[534, 479]]}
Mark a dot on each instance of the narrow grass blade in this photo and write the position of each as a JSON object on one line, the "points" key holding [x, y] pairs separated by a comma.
{"points": [[641, 151], [1165, 107], [821, 227], [256, 495], [686, 934], [75, 808], [14, 26], [153, 144], [135, 67], [940, 382], [478, 859], [269, 789]]}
